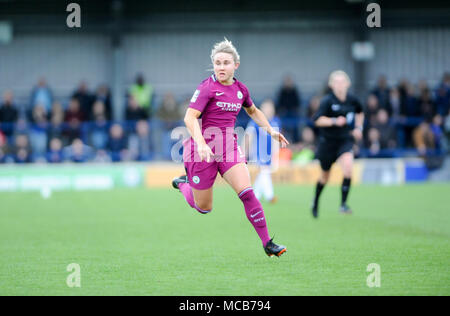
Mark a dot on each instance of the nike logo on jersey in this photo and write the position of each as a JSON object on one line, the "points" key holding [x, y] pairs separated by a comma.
{"points": [[219, 93]]}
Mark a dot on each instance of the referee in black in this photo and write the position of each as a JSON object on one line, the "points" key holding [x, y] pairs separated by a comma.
{"points": [[340, 121]]}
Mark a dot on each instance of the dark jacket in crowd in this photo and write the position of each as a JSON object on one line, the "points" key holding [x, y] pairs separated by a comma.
{"points": [[288, 102], [8, 116]]}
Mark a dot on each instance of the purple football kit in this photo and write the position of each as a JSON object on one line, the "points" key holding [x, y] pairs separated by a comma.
{"points": [[219, 105]]}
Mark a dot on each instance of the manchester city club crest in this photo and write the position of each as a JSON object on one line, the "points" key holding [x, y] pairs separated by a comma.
{"points": [[239, 95]]}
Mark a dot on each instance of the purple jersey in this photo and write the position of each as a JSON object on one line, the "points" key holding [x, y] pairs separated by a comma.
{"points": [[218, 103], [219, 106]]}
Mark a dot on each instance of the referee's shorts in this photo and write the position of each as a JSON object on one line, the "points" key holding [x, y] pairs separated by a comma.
{"points": [[329, 150]]}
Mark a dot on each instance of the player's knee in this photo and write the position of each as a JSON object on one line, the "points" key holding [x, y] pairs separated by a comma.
{"points": [[325, 177], [347, 171], [247, 194], [205, 206]]}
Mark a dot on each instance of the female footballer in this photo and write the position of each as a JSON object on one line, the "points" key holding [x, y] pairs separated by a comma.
{"points": [[213, 148], [340, 120]]}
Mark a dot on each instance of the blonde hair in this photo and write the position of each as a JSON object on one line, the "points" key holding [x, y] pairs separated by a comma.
{"points": [[339, 73], [225, 46]]}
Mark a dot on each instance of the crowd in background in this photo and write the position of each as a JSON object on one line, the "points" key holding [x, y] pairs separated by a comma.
{"points": [[402, 119], [47, 130], [405, 119]]}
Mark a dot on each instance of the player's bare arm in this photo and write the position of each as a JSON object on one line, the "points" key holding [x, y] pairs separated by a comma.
{"points": [[325, 121], [358, 131], [262, 121]]}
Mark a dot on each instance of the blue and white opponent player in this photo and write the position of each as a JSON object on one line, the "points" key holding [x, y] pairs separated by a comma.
{"points": [[263, 150]]}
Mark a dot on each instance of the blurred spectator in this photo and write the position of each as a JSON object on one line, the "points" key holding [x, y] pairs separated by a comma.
{"points": [[423, 138], [426, 104], [22, 151], [443, 95], [410, 103], [410, 110], [99, 126], [436, 158], [104, 95], [21, 126], [168, 116], [98, 112], [77, 151], [55, 153], [371, 110], [402, 87], [381, 137], [397, 115], [73, 118], [140, 144], [133, 113], [117, 144], [288, 98], [38, 132], [308, 138], [288, 108], [447, 128], [101, 156], [395, 104], [428, 138], [169, 112], [382, 92], [85, 99], [388, 138], [184, 105], [422, 86], [438, 134], [313, 106], [142, 93], [373, 142], [3, 149], [8, 114], [42, 95], [303, 152], [56, 127]]}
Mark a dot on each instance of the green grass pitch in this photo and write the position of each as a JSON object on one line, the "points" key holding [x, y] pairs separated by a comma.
{"points": [[149, 242]]}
